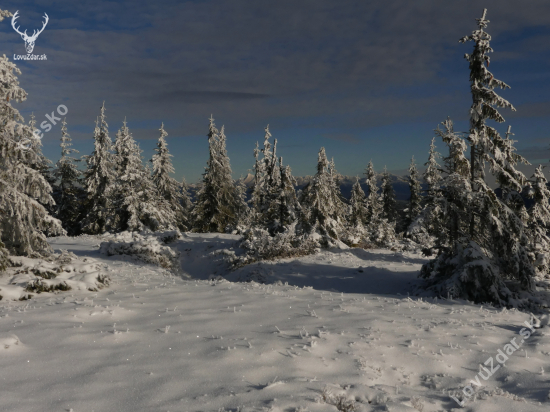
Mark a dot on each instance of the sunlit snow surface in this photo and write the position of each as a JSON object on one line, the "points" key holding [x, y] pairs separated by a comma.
{"points": [[155, 342]]}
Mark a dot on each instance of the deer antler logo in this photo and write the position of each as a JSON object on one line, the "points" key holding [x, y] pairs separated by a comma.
{"points": [[29, 40]]}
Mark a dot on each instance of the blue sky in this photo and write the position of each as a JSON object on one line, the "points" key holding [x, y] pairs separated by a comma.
{"points": [[365, 79]]}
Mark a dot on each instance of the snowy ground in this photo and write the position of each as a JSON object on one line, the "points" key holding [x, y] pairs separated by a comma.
{"points": [[152, 341]]}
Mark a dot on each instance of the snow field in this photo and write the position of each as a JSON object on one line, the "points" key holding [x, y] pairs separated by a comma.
{"points": [[156, 342]]}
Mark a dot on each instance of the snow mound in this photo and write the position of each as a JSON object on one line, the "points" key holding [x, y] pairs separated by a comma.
{"points": [[9, 342]]}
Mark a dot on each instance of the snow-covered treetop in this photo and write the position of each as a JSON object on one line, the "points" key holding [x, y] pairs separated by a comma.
{"points": [[66, 144], [483, 139], [432, 175], [162, 162]]}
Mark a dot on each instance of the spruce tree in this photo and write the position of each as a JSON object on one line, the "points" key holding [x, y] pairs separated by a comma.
{"points": [[323, 202], [539, 221], [186, 203], [455, 195], [432, 175], [243, 212], [414, 207], [68, 192], [138, 204], [272, 172], [23, 190], [258, 190], [358, 215], [380, 232], [167, 187], [100, 181], [267, 176], [389, 208], [374, 205], [487, 258], [284, 209], [215, 206], [429, 222]]}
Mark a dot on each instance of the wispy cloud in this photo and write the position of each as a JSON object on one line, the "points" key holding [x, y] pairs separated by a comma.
{"points": [[343, 137]]}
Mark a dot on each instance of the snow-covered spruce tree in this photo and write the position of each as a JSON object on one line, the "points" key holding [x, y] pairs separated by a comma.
{"points": [[510, 193], [215, 201], [23, 189], [380, 232], [325, 210], [138, 204], [284, 237], [68, 192], [389, 208], [284, 208], [358, 215], [414, 207], [99, 178], [186, 202], [267, 178], [455, 192], [428, 222], [258, 190], [167, 187], [374, 205], [488, 260], [243, 212], [539, 221], [432, 176]]}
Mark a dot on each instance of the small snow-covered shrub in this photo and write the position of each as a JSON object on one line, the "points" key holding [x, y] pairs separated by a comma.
{"points": [[39, 286], [260, 245], [169, 236], [339, 401], [417, 404], [418, 233], [56, 273], [149, 248]]}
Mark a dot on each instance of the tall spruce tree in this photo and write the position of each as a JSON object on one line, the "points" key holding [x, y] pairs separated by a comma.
{"points": [[215, 205], [139, 206], [323, 202], [242, 210], [267, 176], [23, 190], [68, 192], [258, 190], [455, 193], [432, 174], [284, 209], [389, 207], [488, 248], [167, 187], [186, 203], [374, 205], [539, 221], [429, 221], [358, 215], [99, 180], [414, 207], [380, 232]]}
